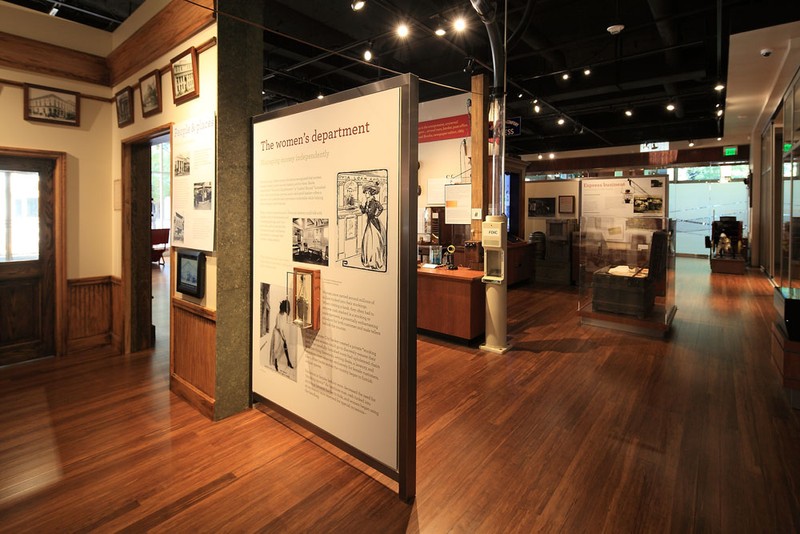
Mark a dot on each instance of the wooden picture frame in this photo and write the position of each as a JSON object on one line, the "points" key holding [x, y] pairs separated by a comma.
{"points": [[124, 104], [185, 77], [150, 93], [48, 104], [566, 204], [306, 298]]}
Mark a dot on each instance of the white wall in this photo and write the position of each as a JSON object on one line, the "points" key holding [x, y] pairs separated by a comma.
{"points": [[550, 189]]}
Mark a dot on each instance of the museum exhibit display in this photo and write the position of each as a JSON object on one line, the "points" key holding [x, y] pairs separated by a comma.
{"points": [[727, 246]]}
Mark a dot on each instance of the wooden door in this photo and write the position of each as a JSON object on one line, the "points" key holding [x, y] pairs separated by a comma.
{"points": [[27, 259]]}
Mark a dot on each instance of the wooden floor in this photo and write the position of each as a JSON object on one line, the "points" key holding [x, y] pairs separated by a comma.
{"points": [[578, 429]]}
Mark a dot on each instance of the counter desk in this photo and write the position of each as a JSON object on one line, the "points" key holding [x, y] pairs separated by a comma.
{"points": [[451, 302]]}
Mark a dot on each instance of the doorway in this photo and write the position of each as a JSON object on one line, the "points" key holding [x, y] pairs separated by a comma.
{"points": [[29, 228], [138, 217]]}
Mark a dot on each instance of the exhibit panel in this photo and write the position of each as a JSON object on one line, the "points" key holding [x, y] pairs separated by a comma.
{"points": [[626, 257], [333, 217]]}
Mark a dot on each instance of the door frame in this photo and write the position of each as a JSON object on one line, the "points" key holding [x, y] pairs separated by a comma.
{"points": [[59, 160], [131, 315]]}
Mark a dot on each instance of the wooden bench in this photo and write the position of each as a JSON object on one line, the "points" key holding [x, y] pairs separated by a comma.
{"points": [[159, 239]]}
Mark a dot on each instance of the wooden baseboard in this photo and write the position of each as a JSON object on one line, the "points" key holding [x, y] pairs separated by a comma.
{"points": [[89, 342], [201, 402]]}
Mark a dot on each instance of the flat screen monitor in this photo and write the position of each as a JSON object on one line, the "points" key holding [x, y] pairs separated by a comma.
{"points": [[191, 272]]}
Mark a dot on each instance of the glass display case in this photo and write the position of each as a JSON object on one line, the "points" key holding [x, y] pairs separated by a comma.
{"points": [[626, 274], [787, 294]]}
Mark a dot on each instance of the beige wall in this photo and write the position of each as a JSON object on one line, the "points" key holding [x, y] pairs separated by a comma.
{"points": [[207, 101], [88, 149], [549, 189]]}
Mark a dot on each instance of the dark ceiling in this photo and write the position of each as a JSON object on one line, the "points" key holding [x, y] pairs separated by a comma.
{"points": [[669, 50]]}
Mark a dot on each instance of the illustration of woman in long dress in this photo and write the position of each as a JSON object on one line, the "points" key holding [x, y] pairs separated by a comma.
{"points": [[373, 246], [278, 346]]}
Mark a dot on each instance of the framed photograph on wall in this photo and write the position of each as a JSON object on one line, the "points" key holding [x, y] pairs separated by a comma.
{"points": [[150, 93], [566, 204], [47, 104], [124, 100], [541, 207], [185, 79]]}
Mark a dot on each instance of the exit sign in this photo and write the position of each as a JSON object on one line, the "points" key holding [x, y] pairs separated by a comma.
{"points": [[730, 150], [787, 147]]}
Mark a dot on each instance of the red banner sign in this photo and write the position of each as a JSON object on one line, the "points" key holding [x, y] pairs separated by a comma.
{"points": [[446, 128]]}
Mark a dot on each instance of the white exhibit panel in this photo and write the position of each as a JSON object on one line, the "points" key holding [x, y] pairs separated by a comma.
{"points": [[194, 182], [327, 197], [458, 203]]}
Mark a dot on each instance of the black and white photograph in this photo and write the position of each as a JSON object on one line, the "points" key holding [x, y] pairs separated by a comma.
{"points": [[264, 310], [47, 104], [182, 165], [150, 93], [279, 346], [648, 204], [124, 101], [202, 196], [185, 81], [310, 241], [541, 207], [177, 227], [361, 213]]}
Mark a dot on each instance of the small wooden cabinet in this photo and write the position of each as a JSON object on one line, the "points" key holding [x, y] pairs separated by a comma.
{"points": [[519, 266]]}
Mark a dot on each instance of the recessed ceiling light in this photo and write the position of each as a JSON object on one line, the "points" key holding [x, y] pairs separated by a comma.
{"points": [[357, 5], [320, 96], [540, 156], [670, 107], [440, 31], [565, 76], [719, 113], [367, 55], [561, 121], [587, 71], [629, 113], [402, 30], [460, 24], [551, 155], [719, 87], [719, 139], [537, 108]]}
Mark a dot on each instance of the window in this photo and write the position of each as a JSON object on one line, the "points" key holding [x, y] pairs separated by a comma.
{"points": [[159, 182], [19, 216]]}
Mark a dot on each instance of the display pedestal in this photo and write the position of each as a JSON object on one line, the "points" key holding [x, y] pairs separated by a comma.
{"points": [[728, 265], [786, 355]]}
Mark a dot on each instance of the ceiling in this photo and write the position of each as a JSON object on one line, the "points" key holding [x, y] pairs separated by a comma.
{"points": [[669, 51]]}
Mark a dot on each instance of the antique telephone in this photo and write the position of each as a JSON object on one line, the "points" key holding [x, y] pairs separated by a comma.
{"points": [[448, 257]]}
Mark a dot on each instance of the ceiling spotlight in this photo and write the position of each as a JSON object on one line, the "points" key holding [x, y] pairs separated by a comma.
{"points": [[719, 139], [540, 156], [402, 30], [565, 76], [357, 5], [691, 143], [719, 113], [537, 108], [551, 155], [587, 71], [670, 107], [460, 24], [561, 121], [614, 29], [719, 87], [440, 32], [320, 96], [469, 65], [520, 95], [629, 113], [367, 55]]}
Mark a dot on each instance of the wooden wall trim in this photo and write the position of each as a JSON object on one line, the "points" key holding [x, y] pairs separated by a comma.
{"points": [[201, 402], [170, 27], [89, 313], [117, 323], [195, 309], [193, 355], [44, 58]]}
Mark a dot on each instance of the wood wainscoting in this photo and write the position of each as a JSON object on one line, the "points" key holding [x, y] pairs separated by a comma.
{"points": [[89, 313], [117, 315], [192, 366]]}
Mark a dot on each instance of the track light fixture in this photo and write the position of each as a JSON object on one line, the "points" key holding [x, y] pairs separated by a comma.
{"points": [[670, 107], [469, 65], [587, 71], [719, 112], [368, 52], [540, 156], [537, 108], [357, 5], [565, 76], [551, 155], [691, 143], [402, 30], [629, 113], [561, 121], [719, 87], [440, 31], [320, 96]]}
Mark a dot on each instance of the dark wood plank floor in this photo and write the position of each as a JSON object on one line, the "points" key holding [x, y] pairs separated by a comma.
{"points": [[578, 429]]}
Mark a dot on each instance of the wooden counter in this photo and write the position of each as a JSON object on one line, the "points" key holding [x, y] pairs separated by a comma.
{"points": [[451, 302]]}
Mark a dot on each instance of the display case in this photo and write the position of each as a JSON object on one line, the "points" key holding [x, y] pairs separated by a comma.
{"points": [[626, 274]]}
